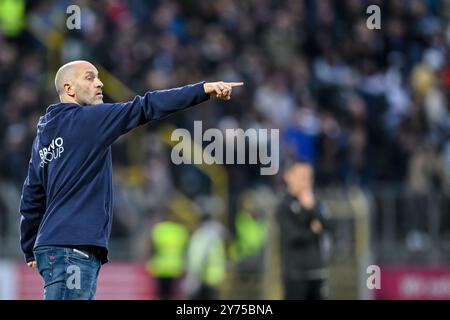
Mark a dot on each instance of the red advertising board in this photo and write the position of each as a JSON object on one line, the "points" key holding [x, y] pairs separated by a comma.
{"points": [[400, 282]]}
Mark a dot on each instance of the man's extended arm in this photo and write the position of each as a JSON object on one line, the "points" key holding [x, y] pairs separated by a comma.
{"points": [[32, 208], [109, 121]]}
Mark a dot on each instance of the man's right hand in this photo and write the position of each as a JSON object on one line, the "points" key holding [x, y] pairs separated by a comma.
{"points": [[32, 264]]}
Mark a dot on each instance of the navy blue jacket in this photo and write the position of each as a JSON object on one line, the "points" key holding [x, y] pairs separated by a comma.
{"points": [[67, 195]]}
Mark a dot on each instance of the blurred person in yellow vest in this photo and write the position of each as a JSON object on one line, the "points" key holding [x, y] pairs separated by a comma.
{"points": [[12, 17], [206, 260], [169, 239], [250, 235]]}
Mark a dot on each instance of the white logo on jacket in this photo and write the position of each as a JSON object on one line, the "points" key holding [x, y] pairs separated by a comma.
{"points": [[52, 152]]}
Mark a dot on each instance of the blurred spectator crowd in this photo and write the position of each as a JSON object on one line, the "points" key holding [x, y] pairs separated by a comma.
{"points": [[364, 106]]}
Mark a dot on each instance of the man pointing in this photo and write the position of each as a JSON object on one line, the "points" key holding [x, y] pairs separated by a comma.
{"points": [[66, 203]]}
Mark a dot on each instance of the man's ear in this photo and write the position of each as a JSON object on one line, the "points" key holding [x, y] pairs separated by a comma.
{"points": [[69, 90]]}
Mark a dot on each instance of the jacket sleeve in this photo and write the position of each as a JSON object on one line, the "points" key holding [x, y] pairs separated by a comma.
{"points": [[324, 216], [113, 120], [292, 230], [32, 207]]}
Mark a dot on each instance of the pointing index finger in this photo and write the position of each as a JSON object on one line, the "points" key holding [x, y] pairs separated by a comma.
{"points": [[235, 84]]}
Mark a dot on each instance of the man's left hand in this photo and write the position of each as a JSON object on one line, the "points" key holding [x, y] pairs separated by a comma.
{"points": [[221, 90], [316, 226]]}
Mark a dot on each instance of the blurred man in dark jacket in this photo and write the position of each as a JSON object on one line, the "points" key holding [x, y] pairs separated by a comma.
{"points": [[302, 222]]}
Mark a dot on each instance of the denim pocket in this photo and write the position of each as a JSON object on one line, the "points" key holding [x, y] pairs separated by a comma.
{"points": [[45, 260], [75, 256]]}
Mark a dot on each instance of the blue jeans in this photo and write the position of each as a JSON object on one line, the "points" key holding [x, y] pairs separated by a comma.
{"points": [[69, 274]]}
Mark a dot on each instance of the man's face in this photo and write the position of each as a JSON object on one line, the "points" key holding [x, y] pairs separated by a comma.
{"points": [[299, 178], [87, 86]]}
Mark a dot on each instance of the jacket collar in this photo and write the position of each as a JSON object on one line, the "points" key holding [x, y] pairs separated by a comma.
{"points": [[61, 106]]}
